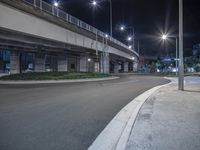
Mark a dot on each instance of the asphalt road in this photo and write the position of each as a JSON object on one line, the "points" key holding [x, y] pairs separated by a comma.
{"points": [[64, 116]]}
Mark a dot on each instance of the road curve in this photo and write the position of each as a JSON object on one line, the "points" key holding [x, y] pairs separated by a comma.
{"points": [[64, 116]]}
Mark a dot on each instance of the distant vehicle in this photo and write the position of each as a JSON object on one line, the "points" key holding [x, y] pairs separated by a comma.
{"points": [[30, 68], [190, 69], [174, 70]]}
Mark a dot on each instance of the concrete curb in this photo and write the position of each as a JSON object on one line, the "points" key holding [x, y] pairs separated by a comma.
{"points": [[115, 135], [58, 81]]}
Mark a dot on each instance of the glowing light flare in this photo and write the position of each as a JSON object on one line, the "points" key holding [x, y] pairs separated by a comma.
{"points": [[56, 4], [130, 46], [129, 38], [133, 58], [164, 37], [94, 3], [122, 28]]}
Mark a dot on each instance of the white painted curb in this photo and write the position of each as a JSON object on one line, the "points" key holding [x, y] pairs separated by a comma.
{"points": [[115, 135], [58, 81]]}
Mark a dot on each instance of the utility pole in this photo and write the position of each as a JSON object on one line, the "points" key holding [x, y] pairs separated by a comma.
{"points": [[176, 56], [111, 18], [181, 66]]}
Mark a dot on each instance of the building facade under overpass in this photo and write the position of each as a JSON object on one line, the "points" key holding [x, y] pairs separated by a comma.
{"points": [[36, 36]]}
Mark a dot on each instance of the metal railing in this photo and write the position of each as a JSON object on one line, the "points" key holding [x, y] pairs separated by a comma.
{"points": [[51, 9]]}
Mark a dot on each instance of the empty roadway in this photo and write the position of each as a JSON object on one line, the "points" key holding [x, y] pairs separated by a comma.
{"points": [[64, 116]]}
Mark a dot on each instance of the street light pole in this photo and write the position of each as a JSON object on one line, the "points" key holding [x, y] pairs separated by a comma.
{"points": [[132, 37], [181, 67], [111, 18], [176, 56], [94, 3], [139, 47]]}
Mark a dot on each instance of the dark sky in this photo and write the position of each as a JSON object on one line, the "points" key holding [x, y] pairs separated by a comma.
{"points": [[149, 18]]}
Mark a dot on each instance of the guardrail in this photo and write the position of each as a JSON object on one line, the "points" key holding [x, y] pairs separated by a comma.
{"points": [[51, 9]]}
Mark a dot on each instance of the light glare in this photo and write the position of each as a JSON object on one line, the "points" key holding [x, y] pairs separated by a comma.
{"points": [[164, 37], [122, 28], [56, 4], [94, 3], [129, 38], [133, 58]]}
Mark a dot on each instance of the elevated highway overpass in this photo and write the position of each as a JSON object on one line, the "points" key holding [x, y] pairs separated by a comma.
{"points": [[40, 37]]}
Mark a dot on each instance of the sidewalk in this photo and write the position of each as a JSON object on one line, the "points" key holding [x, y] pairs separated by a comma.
{"points": [[169, 119]]}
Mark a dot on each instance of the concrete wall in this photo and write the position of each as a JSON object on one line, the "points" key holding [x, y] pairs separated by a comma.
{"points": [[105, 63], [116, 68], [126, 64]]}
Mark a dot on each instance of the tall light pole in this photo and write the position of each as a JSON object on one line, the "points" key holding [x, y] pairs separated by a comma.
{"points": [[111, 18], [138, 46], [132, 37], [181, 67], [94, 3]]}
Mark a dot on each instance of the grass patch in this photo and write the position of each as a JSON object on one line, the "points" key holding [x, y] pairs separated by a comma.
{"points": [[54, 76]]}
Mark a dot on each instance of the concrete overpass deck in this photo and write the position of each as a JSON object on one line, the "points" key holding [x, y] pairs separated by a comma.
{"points": [[34, 26]]}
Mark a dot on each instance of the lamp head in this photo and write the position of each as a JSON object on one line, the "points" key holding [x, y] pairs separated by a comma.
{"points": [[164, 37]]}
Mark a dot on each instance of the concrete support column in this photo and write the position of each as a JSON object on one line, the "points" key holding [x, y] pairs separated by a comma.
{"points": [[105, 63], [135, 66], [14, 62], [39, 63], [62, 63], [91, 65], [126, 64], [84, 65], [96, 67], [116, 68]]}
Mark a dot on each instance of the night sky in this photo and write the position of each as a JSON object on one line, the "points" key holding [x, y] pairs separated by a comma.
{"points": [[150, 18]]}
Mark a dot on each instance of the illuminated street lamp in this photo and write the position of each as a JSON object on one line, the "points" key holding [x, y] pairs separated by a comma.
{"points": [[94, 3], [122, 28], [130, 46], [164, 37], [129, 38], [56, 4]]}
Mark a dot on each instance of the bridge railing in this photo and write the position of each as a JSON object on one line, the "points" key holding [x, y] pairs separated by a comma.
{"points": [[51, 9]]}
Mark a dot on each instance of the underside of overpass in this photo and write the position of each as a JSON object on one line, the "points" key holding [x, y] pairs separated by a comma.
{"points": [[23, 52]]}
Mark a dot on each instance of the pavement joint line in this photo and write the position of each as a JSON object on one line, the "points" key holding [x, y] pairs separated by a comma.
{"points": [[116, 134], [57, 81]]}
